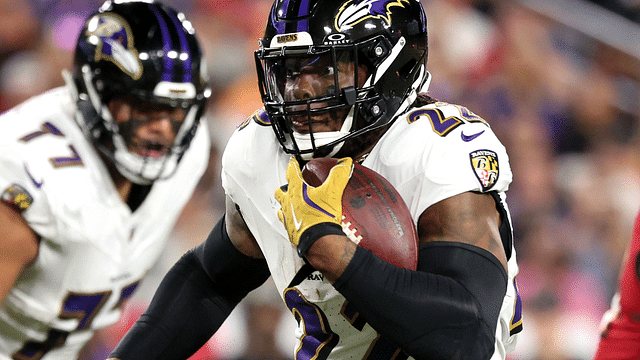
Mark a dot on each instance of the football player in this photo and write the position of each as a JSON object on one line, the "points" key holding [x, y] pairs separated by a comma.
{"points": [[620, 328], [93, 176], [348, 79]]}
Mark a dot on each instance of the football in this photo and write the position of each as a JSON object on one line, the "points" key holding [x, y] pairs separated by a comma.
{"points": [[374, 215]]}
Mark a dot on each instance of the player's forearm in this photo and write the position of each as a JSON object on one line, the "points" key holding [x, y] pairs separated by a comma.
{"points": [[330, 255], [443, 308]]}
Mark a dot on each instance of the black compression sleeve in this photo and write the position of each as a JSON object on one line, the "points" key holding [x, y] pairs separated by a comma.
{"points": [[448, 309], [193, 300]]}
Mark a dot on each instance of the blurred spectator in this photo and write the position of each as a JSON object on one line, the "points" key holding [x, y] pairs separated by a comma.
{"points": [[630, 9], [19, 27]]}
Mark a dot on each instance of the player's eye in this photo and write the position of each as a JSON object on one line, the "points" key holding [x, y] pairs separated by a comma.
{"points": [[292, 74], [327, 71], [320, 71]]}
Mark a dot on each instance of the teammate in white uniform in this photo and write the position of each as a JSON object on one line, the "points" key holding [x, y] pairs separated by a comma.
{"points": [[347, 79], [88, 200]]}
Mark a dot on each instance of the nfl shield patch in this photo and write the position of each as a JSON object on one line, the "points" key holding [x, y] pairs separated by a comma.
{"points": [[485, 167], [17, 197]]}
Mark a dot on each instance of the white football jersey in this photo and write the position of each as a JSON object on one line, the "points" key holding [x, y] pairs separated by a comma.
{"points": [[94, 250], [428, 154]]}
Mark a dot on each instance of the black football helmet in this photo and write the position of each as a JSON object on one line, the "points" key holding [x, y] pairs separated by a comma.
{"points": [[389, 37], [146, 50]]}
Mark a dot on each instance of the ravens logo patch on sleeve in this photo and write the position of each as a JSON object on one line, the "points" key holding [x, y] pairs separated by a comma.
{"points": [[485, 167], [17, 197]]}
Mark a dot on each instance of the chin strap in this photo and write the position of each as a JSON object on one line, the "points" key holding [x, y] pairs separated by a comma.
{"points": [[305, 142]]}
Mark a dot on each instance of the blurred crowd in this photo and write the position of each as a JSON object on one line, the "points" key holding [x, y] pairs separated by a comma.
{"points": [[566, 106]]}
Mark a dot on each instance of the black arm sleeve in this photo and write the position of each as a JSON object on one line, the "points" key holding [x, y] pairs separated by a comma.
{"points": [[448, 309], [193, 300]]}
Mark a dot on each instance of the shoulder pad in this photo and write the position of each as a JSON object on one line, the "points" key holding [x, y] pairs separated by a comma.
{"points": [[260, 117]]}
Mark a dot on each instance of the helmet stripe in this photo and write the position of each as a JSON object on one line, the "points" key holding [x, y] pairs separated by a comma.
{"points": [[303, 12], [292, 9], [167, 73], [280, 25], [184, 46]]}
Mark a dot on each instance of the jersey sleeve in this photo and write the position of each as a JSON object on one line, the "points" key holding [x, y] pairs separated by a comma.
{"points": [[22, 171], [443, 150], [252, 149]]}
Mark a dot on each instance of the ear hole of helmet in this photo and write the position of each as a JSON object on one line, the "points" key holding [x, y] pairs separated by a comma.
{"points": [[375, 52]]}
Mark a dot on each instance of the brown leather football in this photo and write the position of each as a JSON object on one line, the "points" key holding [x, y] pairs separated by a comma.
{"points": [[374, 215]]}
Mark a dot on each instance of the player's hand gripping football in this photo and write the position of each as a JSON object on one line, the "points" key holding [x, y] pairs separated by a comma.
{"points": [[308, 212]]}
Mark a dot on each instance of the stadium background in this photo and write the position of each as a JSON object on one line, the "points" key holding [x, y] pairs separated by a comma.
{"points": [[558, 80]]}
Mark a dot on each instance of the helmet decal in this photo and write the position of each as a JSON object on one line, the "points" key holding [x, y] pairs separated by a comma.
{"points": [[355, 11], [115, 43]]}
